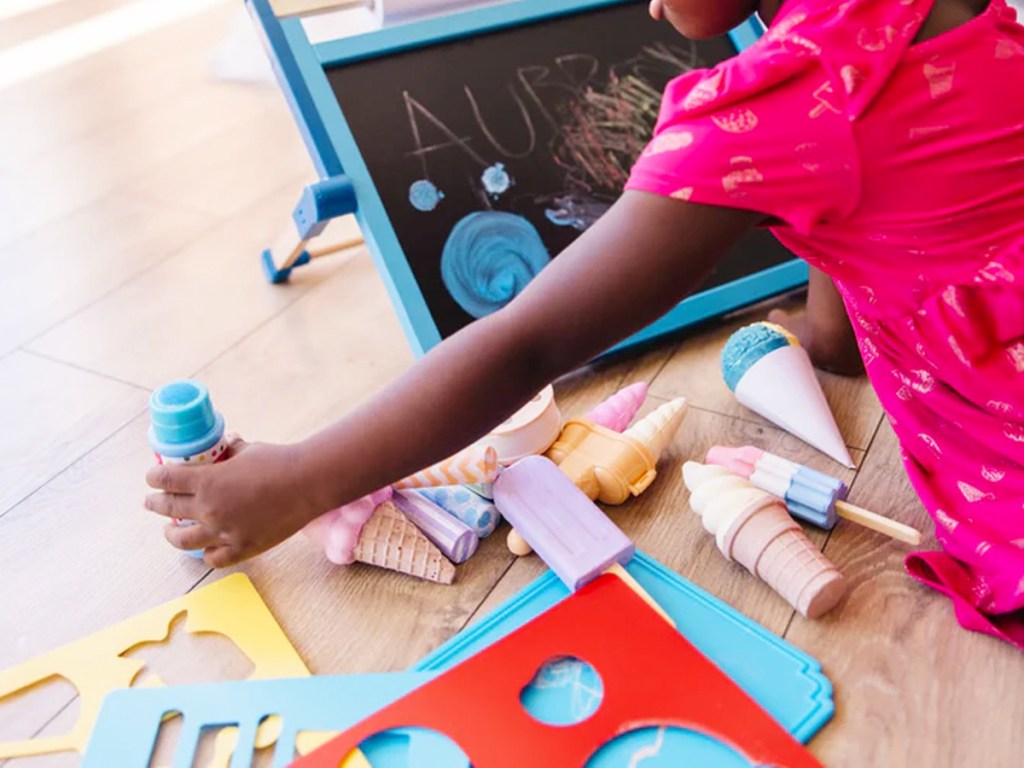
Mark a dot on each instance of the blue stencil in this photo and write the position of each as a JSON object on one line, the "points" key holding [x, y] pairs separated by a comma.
{"points": [[130, 719], [787, 682]]}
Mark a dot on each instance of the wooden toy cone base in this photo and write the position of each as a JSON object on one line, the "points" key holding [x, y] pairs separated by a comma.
{"points": [[783, 388], [389, 540], [772, 546]]}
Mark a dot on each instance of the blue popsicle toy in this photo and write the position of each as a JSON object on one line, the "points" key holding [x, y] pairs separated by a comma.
{"points": [[185, 428]]}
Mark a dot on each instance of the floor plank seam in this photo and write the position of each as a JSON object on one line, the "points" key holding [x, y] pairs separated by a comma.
{"points": [[83, 369], [213, 225], [69, 465], [483, 600]]}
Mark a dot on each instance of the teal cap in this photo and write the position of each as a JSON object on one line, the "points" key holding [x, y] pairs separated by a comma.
{"points": [[183, 421]]}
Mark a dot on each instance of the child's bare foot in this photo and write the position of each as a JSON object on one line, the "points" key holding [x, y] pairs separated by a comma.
{"points": [[824, 329], [828, 355]]}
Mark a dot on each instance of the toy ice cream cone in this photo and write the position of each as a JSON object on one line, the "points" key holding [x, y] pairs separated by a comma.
{"points": [[620, 409], [772, 375], [656, 430], [474, 465], [389, 540], [755, 529]]}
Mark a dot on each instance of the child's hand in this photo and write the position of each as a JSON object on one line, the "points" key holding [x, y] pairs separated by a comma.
{"points": [[240, 507]]}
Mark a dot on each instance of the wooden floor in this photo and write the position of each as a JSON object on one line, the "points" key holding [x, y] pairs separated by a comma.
{"points": [[135, 196]]}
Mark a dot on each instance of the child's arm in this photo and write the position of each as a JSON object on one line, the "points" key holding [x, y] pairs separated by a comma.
{"points": [[628, 269]]}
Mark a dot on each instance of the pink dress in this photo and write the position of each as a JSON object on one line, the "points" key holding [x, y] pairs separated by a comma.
{"points": [[898, 169]]}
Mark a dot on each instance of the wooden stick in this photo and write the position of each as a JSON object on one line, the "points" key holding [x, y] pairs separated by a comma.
{"points": [[341, 245], [288, 247], [878, 523]]}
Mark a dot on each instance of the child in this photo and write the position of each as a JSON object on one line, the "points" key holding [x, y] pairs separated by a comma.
{"points": [[883, 142]]}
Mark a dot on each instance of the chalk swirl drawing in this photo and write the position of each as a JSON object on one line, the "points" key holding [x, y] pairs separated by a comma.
{"points": [[489, 258], [424, 195], [496, 180]]}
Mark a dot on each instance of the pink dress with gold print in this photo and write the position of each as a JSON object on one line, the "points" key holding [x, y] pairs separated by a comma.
{"points": [[898, 169]]}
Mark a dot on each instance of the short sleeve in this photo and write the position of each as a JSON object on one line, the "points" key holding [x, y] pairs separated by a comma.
{"points": [[770, 139]]}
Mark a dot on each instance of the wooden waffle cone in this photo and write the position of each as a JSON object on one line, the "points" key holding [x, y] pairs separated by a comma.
{"points": [[390, 540]]}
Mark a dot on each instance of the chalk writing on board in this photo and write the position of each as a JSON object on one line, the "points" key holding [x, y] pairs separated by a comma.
{"points": [[597, 119], [541, 121]]}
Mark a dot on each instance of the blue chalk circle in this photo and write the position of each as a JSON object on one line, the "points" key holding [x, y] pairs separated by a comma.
{"points": [[424, 196], [496, 180], [489, 258]]}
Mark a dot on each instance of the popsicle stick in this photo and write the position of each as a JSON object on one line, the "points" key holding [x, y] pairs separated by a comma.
{"points": [[618, 570], [878, 523]]}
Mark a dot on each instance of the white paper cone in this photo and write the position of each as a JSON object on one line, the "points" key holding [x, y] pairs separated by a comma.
{"points": [[783, 388]]}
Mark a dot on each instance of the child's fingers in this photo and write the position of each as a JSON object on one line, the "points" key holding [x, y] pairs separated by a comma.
{"points": [[235, 444], [655, 9], [171, 478], [170, 505], [219, 557], [189, 537]]}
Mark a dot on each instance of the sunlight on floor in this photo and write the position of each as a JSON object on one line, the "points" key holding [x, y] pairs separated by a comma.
{"points": [[72, 43]]}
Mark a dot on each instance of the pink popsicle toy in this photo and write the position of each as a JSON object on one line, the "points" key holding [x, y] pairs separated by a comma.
{"points": [[813, 496]]}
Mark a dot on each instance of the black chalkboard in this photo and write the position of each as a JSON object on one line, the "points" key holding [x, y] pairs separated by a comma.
{"points": [[556, 110]]}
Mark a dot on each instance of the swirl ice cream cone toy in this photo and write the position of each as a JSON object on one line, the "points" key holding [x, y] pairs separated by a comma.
{"points": [[755, 529], [610, 466], [185, 429]]}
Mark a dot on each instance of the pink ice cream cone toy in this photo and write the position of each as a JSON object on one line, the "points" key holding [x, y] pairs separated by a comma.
{"points": [[756, 530]]}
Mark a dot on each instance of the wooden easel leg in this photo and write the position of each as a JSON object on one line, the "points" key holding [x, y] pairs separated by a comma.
{"points": [[290, 251]]}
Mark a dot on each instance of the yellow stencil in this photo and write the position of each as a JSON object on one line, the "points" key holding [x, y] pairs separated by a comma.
{"points": [[95, 666]]}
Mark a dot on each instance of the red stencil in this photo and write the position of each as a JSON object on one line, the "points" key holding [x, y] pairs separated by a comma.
{"points": [[652, 677]]}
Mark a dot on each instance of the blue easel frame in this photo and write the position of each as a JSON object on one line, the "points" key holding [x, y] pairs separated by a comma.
{"points": [[346, 185]]}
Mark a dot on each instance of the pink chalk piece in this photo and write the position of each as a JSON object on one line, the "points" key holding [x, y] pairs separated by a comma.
{"points": [[338, 531], [618, 411]]}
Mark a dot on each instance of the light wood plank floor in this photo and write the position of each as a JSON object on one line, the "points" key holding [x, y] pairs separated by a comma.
{"points": [[131, 217]]}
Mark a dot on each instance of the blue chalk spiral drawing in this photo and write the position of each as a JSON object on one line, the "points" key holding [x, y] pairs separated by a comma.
{"points": [[489, 258]]}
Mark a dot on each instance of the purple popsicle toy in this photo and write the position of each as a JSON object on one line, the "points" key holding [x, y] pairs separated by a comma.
{"points": [[812, 496], [570, 533]]}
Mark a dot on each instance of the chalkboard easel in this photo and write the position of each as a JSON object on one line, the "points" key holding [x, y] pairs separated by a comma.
{"points": [[474, 147]]}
